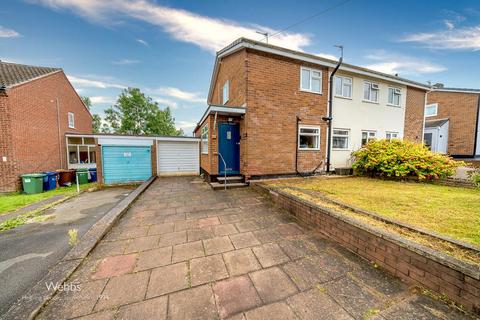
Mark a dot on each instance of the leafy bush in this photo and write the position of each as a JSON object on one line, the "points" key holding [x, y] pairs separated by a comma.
{"points": [[402, 159], [475, 177]]}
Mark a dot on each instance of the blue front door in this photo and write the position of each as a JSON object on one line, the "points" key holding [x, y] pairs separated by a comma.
{"points": [[229, 148]]}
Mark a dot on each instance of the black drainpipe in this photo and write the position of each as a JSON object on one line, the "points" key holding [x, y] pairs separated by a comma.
{"points": [[330, 118], [476, 128], [296, 144]]}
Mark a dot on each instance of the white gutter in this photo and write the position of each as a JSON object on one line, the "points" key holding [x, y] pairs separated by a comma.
{"points": [[455, 90]]}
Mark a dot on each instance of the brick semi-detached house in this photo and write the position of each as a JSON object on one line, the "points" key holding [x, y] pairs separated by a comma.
{"points": [[452, 122], [38, 106], [267, 110]]}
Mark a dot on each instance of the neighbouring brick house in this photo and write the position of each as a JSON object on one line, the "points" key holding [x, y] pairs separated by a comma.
{"points": [[267, 109], [452, 122], [38, 106]]}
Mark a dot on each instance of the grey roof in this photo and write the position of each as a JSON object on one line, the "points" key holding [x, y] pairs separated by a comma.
{"points": [[435, 123], [12, 73]]}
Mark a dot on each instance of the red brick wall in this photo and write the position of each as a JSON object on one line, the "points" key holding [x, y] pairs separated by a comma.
{"points": [[414, 114], [274, 100], [461, 110], [37, 143], [399, 260], [8, 168]]}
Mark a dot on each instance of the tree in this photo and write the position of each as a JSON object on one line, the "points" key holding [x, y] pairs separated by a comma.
{"points": [[87, 102], [135, 113], [96, 123]]}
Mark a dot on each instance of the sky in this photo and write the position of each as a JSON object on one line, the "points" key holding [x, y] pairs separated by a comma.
{"points": [[167, 48]]}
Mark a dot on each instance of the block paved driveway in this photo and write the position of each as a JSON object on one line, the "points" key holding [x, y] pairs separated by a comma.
{"points": [[184, 251]]}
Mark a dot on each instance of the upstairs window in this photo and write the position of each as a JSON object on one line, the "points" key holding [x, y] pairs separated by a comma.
{"points": [[308, 138], [225, 92], [71, 120], [370, 91], [204, 137], [431, 110], [343, 87], [310, 80], [368, 136], [394, 95], [340, 139]]}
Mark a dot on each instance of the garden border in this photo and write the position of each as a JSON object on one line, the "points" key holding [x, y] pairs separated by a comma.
{"points": [[410, 261]]}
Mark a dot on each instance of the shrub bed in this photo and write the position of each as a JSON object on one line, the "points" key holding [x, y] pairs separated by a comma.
{"points": [[402, 159]]}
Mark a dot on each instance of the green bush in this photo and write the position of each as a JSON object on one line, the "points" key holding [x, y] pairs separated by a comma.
{"points": [[401, 159], [475, 177]]}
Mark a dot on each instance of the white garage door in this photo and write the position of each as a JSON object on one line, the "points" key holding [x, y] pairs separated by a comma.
{"points": [[178, 157]]}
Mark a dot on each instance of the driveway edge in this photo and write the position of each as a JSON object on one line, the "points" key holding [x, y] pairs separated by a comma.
{"points": [[31, 303]]}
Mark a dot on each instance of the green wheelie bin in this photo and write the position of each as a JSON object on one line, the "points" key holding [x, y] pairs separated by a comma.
{"points": [[32, 183], [82, 175]]}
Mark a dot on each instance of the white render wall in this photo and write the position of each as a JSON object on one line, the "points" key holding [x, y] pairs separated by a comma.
{"points": [[357, 115]]}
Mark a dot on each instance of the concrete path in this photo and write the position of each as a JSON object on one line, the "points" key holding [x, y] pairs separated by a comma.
{"points": [[184, 251], [27, 252]]}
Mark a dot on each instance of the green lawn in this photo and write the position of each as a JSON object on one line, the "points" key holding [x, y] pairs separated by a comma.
{"points": [[450, 211], [13, 201]]}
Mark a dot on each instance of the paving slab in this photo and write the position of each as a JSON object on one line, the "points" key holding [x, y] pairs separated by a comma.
{"points": [[183, 251]]}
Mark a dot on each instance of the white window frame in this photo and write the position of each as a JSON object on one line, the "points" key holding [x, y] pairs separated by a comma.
{"points": [[391, 133], [226, 92], [311, 71], [71, 120], [342, 87], [390, 103], [204, 139], [343, 136], [90, 148], [368, 136], [429, 106], [370, 84], [304, 126]]}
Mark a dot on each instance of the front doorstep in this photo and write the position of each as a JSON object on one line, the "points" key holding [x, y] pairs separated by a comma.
{"points": [[414, 263]]}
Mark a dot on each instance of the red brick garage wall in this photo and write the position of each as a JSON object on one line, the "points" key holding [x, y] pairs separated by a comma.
{"points": [[414, 114], [37, 143], [461, 110]]}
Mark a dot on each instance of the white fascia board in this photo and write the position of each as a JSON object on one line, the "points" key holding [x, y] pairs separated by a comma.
{"points": [[456, 90], [314, 61], [178, 139], [222, 110]]}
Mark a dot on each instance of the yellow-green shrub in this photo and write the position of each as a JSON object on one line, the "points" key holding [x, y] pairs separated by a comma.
{"points": [[401, 159]]}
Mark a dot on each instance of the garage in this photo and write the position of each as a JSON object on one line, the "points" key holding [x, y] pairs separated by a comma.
{"points": [[126, 159], [178, 156]]}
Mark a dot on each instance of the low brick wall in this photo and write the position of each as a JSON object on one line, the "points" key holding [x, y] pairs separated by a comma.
{"points": [[409, 261]]}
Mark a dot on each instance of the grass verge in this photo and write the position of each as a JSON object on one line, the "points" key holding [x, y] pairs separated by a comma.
{"points": [[13, 201]]}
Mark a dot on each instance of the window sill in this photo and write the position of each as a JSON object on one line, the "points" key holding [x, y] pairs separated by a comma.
{"points": [[308, 91], [392, 105], [342, 97], [368, 101], [300, 149], [338, 149]]}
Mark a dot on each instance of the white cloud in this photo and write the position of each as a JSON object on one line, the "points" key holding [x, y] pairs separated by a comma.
{"points": [[125, 61], [8, 33], [449, 24], [83, 82], [102, 100], [208, 33], [327, 56], [166, 102], [141, 41], [467, 38], [401, 64], [181, 94], [186, 126]]}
